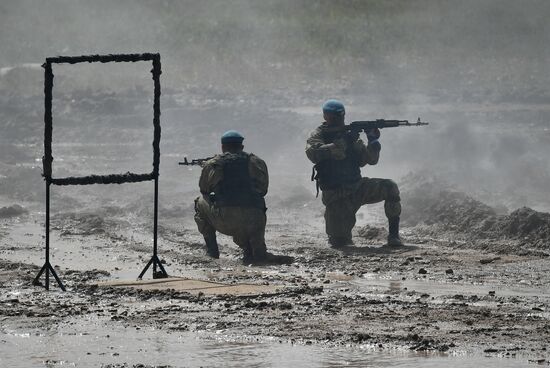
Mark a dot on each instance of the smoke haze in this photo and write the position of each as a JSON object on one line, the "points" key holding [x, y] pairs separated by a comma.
{"points": [[477, 70]]}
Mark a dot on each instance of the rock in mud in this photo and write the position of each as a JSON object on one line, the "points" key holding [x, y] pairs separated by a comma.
{"points": [[488, 260]]}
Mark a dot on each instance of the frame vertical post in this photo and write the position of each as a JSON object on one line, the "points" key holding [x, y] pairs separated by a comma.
{"points": [[155, 261], [47, 173], [155, 224], [47, 265]]}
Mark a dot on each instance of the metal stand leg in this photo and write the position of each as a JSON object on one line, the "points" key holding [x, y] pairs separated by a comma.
{"points": [[47, 266], [155, 261], [161, 274]]}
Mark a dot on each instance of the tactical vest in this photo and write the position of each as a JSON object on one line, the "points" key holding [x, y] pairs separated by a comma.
{"points": [[236, 189], [332, 174]]}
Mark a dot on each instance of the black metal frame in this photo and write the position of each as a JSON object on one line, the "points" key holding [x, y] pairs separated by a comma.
{"points": [[99, 179]]}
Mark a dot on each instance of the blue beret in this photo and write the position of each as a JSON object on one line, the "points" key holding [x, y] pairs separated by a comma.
{"points": [[232, 136], [334, 107]]}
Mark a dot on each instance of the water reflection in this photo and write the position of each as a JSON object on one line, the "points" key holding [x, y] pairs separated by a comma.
{"points": [[98, 343]]}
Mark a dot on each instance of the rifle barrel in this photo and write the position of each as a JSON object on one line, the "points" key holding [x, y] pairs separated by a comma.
{"points": [[185, 162], [418, 123]]}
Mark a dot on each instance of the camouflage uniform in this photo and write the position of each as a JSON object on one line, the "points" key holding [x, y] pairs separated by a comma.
{"points": [[243, 220], [343, 200]]}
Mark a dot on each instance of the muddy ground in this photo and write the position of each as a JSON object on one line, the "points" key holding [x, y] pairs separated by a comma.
{"points": [[470, 287]]}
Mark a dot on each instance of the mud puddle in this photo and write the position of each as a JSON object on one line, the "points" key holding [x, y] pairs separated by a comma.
{"points": [[438, 289], [95, 342]]}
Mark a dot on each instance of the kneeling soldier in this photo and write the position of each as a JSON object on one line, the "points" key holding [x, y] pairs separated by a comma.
{"points": [[338, 158], [233, 186]]}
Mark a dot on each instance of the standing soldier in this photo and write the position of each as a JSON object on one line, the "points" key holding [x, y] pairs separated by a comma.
{"points": [[338, 157], [233, 186]]}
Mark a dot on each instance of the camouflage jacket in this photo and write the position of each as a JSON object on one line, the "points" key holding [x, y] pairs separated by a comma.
{"points": [[212, 174], [318, 150]]}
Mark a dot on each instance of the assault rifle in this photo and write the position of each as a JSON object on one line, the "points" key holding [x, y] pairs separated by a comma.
{"points": [[195, 161], [367, 125]]}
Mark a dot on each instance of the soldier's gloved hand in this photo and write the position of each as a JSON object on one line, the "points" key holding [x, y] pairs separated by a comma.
{"points": [[373, 135], [359, 146]]}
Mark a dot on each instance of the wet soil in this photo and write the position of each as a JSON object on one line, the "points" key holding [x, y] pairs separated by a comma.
{"points": [[423, 297], [470, 287]]}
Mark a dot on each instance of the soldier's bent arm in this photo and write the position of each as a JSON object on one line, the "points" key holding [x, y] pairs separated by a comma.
{"points": [[211, 175], [367, 154], [316, 149], [258, 172]]}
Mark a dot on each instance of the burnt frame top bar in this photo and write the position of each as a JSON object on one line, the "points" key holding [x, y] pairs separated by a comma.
{"points": [[48, 120], [102, 58]]}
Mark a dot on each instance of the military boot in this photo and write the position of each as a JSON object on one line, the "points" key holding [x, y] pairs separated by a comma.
{"points": [[260, 254], [254, 255], [393, 236], [339, 241], [248, 255], [212, 247], [266, 258]]}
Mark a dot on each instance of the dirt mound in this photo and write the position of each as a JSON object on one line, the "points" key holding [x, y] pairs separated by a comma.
{"points": [[481, 226], [12, 211], [453, 209], [525, 224], [373, 234], [432, 201]]}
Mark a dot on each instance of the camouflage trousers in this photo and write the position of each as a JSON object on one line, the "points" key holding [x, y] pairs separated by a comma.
{"points": [[245, 224], [342, 204]]}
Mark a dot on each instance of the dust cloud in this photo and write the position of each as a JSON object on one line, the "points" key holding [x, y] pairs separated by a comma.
{"points": [[477, 70]]}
